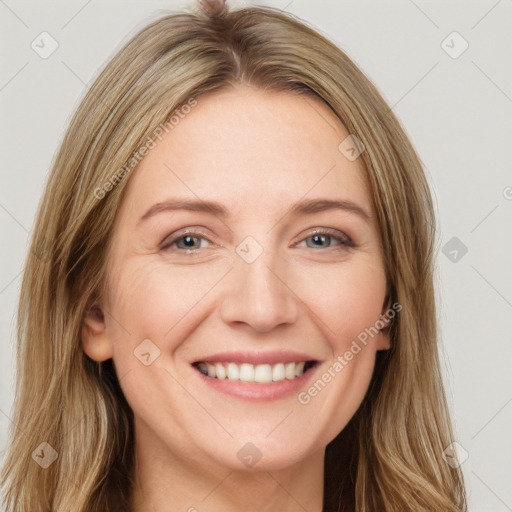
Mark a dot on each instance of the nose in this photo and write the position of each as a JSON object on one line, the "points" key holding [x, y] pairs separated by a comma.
{"points": [[259, 294]]}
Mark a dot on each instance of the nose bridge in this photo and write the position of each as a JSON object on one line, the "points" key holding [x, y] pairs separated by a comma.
{"points": [[258, 294]]}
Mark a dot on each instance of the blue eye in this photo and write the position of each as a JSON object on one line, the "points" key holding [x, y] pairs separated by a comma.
{"points": [[321, 239], [191, 242]]}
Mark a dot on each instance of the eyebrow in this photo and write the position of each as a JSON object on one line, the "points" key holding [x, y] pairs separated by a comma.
{"points": [[309, 206]]}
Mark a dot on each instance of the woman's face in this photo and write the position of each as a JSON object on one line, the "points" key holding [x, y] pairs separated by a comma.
{"points": [[274, 273]]}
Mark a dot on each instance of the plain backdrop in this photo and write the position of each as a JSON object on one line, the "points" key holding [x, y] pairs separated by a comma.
{"points": [[446, 69]]}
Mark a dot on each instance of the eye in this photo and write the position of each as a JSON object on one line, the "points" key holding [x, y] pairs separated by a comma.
{"points": [[190, 241], [185, 241], [322, 238]]}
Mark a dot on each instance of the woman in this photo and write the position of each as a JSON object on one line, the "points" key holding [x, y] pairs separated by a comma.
{"points": [[229, 300]]}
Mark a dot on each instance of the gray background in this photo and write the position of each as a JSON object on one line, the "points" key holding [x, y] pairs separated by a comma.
{"points": [[457, 112]]}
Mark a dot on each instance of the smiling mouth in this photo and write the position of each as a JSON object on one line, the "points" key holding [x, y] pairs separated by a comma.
{"points": [[260, 373]]}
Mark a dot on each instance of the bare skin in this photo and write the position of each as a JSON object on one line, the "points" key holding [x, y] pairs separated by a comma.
{"points": [[257, 154]]}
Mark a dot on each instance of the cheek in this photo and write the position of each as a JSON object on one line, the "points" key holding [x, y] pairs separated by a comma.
{"points": [[153, 308], [348, 305], [152, 300], [346, 299]]}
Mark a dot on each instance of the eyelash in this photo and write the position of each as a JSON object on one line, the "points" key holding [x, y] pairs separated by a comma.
{"points": [[344, 240]]}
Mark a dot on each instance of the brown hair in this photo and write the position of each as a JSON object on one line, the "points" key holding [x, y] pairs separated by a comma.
{"points": [[389, 457]]}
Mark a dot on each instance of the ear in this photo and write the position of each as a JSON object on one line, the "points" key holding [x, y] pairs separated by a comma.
{"points": [[95, 342], [382, 340]]}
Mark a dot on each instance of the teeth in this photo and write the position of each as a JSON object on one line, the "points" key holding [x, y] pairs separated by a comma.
{"points": [[262, 373], [211, 370], [233, 372], [278, 372], [289, 371], [247, 372], [220, 371]]}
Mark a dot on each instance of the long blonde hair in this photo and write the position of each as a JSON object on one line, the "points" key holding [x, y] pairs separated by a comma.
{"points": [[389, 457]]}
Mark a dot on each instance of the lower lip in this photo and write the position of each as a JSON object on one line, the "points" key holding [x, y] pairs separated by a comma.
{"points": [[257, 392]]}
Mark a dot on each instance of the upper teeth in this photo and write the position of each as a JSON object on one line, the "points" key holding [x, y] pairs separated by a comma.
{"points": [[253, 373]]}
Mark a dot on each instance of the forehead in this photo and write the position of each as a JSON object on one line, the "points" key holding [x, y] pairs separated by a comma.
{"points": [[252, 150]]}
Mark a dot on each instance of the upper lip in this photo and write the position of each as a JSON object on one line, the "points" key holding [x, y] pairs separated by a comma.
{"points": [[261, 357]]}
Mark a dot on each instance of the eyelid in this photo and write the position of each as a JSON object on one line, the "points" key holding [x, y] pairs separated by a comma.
{"points": [[335, 233], [169, 240], [345, 241], [181, 233]]}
